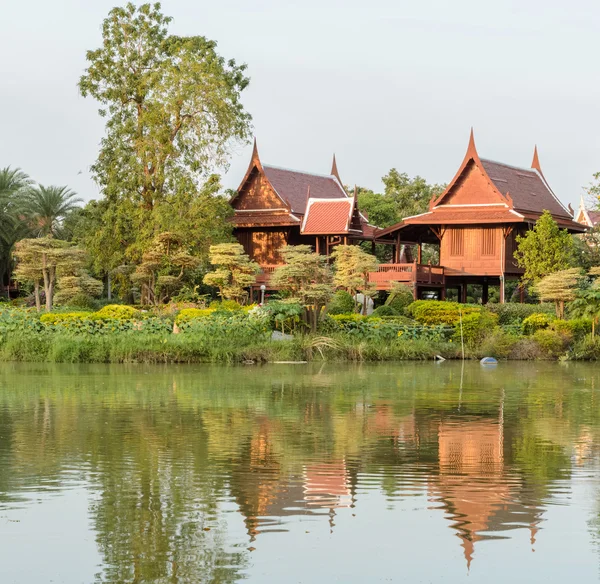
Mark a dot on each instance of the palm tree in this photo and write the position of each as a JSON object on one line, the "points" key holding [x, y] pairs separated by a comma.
{"points": [[46, 207], [13, 183]]}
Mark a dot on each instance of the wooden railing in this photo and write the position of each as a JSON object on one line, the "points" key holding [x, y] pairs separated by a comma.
{"points": [[265, 273], [407, 273]]}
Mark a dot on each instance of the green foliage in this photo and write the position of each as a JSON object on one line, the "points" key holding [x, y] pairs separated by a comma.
{"points": [[400, 297], [235, 271], [172, 106], [341, 303], [475, 327], [544, 249], [352, 268], [575, 328], [440, 311], [513, 313], [550, 342], [284, 315], [384, 311], [402, 197], [559, 287], [535, 322], [118, 312], [226, 305], [188, 314], [307, 279], [45, 209]]}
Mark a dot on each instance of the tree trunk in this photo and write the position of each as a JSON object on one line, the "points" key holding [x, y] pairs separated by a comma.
{"points": [[36, 290], [108, 287]]}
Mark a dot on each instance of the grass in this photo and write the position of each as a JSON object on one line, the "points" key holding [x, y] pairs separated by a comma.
{"points": [[188, 348]]}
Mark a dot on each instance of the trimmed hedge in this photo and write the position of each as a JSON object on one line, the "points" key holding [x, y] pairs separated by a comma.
{"points": [[437, 312]]}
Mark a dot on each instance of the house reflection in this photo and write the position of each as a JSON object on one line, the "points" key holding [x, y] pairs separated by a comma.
{"points": [[481, 496]]}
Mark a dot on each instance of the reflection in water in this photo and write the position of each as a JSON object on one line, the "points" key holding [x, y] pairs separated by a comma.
{"points": [[190, 470]]}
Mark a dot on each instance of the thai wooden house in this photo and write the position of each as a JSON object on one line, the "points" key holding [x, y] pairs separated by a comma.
{"points": [[475, 222], [277, 206]]}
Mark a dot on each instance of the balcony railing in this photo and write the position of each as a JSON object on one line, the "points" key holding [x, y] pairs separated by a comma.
{"points": [[407, 273], [266, 270]]}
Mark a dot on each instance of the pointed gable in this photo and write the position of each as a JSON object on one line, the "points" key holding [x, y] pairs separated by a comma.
{"points": [[473, 187]]}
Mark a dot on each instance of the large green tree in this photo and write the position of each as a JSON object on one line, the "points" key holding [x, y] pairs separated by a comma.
{"points": [[545, 249], [173, 112], [172, 106]]}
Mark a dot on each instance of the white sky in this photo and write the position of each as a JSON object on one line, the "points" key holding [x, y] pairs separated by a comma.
{"points": [[382, 83]]}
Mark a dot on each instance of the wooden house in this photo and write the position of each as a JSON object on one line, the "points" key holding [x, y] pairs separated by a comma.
{"points": [[277, 206], [475, 222]]}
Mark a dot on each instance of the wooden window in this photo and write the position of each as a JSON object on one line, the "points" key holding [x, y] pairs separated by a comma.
{"points": [[488, 242], [457, 239]]}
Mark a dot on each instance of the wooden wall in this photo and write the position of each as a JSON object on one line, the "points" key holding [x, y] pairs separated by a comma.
{"points": [[472, 188], [263, 245], [257, 194], [472, 250]]}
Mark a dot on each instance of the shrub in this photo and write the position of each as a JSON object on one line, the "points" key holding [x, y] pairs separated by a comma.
{"points": [[400, 297], [499, 344], [225, 305], [283, 315], [384, 311], [535, 322], [525, 349], [84, 301], [64, 317], [440, 311], [188, 314], [575, 328], [475, 326], [550, 342], [587, 349], [341, 303], [117, 311], [514, 312]]}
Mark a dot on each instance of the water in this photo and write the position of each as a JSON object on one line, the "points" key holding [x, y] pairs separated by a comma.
{"points": [[300, 473]]}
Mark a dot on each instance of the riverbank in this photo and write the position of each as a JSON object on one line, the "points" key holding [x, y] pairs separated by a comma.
{"points": [[120, 334], [140, 347]]}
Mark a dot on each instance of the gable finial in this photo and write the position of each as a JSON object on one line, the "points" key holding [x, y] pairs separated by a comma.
{"points": [[535, 163], [255, 151], [471, 149], [334, 169]]}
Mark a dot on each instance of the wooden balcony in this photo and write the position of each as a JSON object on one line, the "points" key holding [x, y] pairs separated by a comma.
{"points": [[264, 275], [410, 274]]}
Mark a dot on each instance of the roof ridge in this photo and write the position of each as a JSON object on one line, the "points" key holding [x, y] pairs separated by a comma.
{"points": [[329, 176]]}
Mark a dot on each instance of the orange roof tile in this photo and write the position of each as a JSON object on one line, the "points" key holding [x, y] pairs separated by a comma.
{"points": [[327, 216]]}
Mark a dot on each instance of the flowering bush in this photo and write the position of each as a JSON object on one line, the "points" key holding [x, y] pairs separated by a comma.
{"points": [[117, 311], [188, 314], [536, 322]]}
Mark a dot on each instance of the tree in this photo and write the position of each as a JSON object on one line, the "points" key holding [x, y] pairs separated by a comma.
{"points": [[172, 105], [587, 301], [46, 207], [163, 267], [72, 278], [307, 278], [41, 260], [235, 271], [544, 249], [402, 197], [352, 269], [13, 182], [559, 287]]}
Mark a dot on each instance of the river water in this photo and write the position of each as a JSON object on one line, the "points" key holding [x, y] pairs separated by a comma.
{"points": [[313, 473]]}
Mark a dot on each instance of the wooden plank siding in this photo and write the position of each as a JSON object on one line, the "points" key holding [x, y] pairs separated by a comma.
{"points": [[472, 250]]}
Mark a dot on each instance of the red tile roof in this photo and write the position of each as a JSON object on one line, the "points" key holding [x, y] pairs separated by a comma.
{"points": [[327, 216], [293, 186], [527, 188]]}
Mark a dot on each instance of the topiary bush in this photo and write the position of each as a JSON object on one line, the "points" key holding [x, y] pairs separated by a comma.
{"points": [[226, 305], [440, 311], [400, 297], [63, 317], [384, 311], [341, 303], [536, 322]]}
